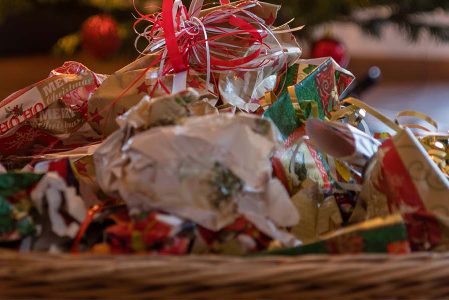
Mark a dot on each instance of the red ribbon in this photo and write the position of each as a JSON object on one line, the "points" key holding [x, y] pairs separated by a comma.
{"points": [[174, 55], [178, 59], [247, 27], [87, 221]]}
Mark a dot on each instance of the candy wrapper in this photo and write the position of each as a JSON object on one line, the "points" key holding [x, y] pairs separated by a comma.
{"points": [[50, 115], [208, 169], [403, 178], [380, 235]]}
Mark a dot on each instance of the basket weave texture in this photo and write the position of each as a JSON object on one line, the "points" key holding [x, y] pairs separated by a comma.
{"points": [[216, 277]]}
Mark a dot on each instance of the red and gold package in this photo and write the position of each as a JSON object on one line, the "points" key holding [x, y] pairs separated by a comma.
{"points": [[50, 115], [403, 179]]}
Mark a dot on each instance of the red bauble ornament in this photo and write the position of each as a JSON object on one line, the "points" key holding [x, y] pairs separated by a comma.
{"points": [[330, 47], [100, 36]]}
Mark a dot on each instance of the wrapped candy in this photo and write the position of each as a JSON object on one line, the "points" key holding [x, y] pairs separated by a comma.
{"points": [[244, 89], [299, 162], [50, 115], [53, 195], [77, 168]]}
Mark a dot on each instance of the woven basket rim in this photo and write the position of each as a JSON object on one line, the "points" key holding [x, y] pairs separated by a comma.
{"points": [[366, 276]]}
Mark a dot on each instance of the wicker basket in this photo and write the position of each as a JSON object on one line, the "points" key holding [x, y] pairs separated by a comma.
{"points": [[413, 276]]}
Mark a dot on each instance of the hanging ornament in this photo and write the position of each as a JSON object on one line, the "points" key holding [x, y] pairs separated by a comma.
{"points": [[100, 36], [331, 47]]}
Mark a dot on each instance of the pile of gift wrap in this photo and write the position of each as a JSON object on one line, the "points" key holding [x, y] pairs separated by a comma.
{"points": [[218, 139]]}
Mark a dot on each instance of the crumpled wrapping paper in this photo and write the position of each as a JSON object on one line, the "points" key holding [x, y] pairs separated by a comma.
{"points": [[310, 85], [320, 214], [309, 88], [53, 194], [50, 115], [209, 169], [379, 235], [41, 211], [128, 86], [402, 178]]}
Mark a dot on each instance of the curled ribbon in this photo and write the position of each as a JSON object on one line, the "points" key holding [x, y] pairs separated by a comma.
{"points": [[436, 143], [226, 38]]}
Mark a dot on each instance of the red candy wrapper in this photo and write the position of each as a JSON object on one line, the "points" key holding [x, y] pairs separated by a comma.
{"points": [[50, 115]]}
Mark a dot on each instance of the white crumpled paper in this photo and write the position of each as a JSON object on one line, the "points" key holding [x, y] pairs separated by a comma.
{"points": [[53, 193], [209, 169]]}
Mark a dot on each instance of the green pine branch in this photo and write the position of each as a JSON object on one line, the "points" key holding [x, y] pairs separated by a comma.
{"points": [[401, 13], [312, 13]]}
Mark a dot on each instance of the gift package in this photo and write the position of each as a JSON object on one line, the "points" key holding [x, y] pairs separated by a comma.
{"points": [[218, 139]]}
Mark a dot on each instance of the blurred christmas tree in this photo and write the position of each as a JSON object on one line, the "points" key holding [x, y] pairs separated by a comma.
{"points": [[31, 26], [38, 26], [412, 17]]}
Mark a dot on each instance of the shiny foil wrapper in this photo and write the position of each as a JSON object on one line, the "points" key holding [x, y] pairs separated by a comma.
{"points": [[244, 89]]}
